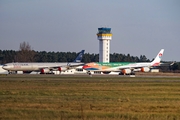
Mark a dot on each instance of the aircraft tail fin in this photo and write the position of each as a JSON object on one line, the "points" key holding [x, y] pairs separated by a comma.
{"points": [[79, 57], [157, 60]]}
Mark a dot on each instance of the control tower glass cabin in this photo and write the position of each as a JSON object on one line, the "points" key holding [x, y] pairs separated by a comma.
{"points": [[104, 36]]}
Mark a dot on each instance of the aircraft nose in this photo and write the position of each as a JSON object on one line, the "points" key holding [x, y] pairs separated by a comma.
{"points": [[5, 67], [85, 66]]}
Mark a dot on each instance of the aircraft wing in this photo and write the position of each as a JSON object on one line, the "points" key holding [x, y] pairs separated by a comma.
{"points": [[167, 64], [66, 66], [63, 67]]}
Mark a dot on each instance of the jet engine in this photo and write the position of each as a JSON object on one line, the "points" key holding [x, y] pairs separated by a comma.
{"points": [[145, 69], [45, 70], [126, 71], [62, 68]]}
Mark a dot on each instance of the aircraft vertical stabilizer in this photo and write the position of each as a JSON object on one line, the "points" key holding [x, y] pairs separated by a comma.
{"points": [[157, 60], [79, 57]]}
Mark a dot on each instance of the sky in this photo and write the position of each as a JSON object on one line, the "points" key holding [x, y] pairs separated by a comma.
{"points": [[139, 27]]}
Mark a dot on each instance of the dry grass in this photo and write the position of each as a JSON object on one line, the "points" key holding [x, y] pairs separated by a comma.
{"points": [[87, 98]]}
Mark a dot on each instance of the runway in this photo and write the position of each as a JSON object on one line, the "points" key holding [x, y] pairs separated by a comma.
{"points": [[138, 74]]}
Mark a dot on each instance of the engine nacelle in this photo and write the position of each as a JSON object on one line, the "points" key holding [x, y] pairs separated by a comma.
{"points": [[126, 71], [45, 70], [145, 69], [62, 68]]}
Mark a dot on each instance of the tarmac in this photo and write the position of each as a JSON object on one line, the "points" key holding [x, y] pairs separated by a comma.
{"points": [[138, 74]]}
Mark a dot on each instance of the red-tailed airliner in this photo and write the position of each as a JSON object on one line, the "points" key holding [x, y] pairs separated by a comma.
{"points": [[123, 67]]}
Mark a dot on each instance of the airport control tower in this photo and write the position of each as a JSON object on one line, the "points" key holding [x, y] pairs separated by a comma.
{"points": [[104, 36]]}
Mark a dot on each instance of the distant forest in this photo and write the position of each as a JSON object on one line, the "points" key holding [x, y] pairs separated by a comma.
{"points": [[7, 56], [26, 54]]}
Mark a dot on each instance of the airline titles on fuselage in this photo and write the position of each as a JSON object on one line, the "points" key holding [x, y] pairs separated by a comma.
{"points": [[18, 65]]}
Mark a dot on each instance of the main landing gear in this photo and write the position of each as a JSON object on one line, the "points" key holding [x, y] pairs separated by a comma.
{"points": [[132, 73]]}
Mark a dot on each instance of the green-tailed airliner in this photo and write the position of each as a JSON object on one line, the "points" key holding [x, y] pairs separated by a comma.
{"points": [[123, 67]]}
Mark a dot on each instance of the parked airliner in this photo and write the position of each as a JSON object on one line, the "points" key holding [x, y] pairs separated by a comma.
{"points": [[44, 67], [123, 67]]}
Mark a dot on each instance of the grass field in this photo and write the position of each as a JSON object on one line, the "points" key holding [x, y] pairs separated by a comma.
{"points": [[55, 97]]}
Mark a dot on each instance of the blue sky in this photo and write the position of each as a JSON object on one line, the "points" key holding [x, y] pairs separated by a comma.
{"points": [[139, 27]]}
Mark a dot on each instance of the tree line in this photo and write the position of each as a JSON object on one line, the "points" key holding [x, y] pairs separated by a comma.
{"points": [[7, 56], [26, 54]]}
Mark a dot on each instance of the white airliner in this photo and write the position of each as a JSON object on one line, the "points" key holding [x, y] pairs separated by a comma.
{"points": [[44, 67], [123, 67]]}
